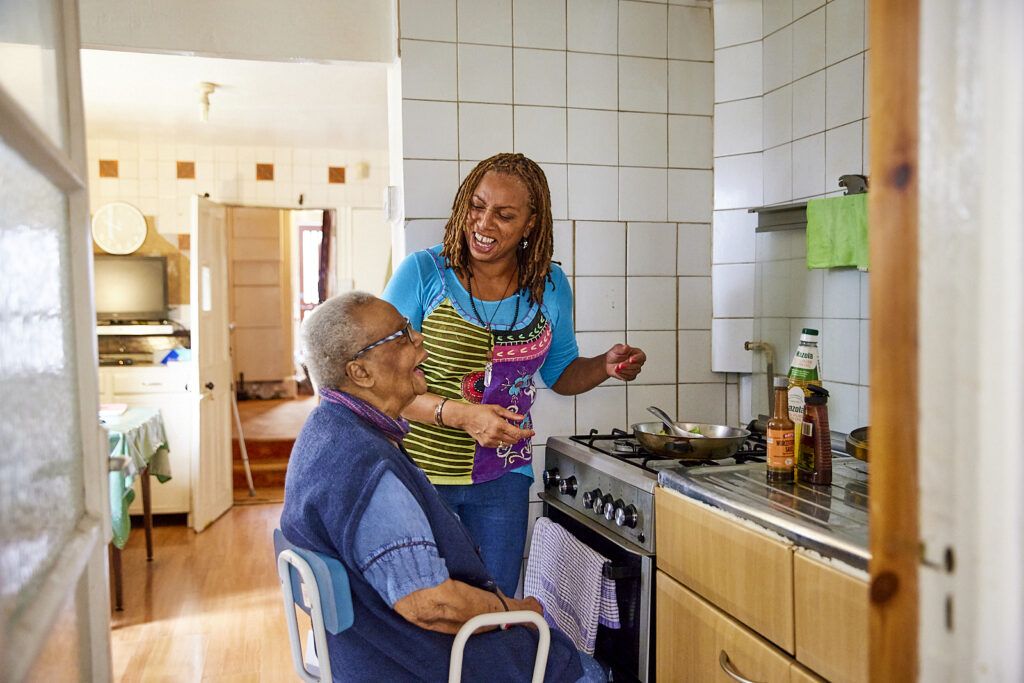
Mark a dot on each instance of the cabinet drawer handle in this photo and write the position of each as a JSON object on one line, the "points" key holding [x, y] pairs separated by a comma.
{"points": [[152, 384], [723, 661]]}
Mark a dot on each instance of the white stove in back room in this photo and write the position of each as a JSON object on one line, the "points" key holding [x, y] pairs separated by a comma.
{"points": [[601, 488]]}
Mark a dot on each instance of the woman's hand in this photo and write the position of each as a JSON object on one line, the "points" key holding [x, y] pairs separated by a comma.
{"points": [[528, 603], [583, 374], [487, 424], [624, 362]]}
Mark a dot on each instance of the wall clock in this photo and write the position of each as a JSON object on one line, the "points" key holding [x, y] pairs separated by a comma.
{"points": [[119, 228]]}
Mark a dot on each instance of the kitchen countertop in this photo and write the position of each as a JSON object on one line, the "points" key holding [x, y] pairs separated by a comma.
{"points": [[831, 520]]}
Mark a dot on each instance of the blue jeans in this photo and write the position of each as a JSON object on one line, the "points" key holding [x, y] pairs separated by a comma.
{"points": [[593, 672], [496, 514]]}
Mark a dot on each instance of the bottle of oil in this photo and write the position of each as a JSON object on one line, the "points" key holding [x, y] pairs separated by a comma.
{"points": [[781, 453], [814, 462], [803, 372]]}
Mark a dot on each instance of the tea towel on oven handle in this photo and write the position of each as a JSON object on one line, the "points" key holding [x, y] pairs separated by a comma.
{"points": [[568, 578]]}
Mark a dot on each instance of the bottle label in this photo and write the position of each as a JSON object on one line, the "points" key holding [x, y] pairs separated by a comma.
{"points": [[796, 404], [806, 358], [807, 429], [803, 374], [780, 449]]}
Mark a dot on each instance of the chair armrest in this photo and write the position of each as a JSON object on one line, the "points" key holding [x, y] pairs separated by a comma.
{"points": [[496, 619]]}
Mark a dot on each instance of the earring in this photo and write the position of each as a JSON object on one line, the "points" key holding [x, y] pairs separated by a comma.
{"points": [[524, 244]]}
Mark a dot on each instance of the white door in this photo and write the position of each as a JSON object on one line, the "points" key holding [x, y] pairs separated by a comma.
{"points": [[211, 440], [54, 508]]}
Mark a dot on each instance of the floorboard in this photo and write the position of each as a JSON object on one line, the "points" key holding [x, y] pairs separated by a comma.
{"points": [[207, 608], [275, 419]]}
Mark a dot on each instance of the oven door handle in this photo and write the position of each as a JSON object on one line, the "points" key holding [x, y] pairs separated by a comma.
{"points": [[614, 572], [593, 526]]}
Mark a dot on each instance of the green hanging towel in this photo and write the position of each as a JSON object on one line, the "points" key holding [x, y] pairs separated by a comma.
{"points": [[837, 232]]}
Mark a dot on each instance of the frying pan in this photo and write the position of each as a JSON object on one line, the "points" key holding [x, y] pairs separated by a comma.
{"points": [[719, 441], [857, 443]]}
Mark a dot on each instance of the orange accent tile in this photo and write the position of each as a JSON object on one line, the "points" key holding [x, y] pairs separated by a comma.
{"points": [[264, 171], [108, 168], [186, 170], [336, 174]]}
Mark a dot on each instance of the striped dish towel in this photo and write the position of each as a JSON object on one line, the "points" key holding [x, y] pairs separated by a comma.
{"points": [[565, 575]]}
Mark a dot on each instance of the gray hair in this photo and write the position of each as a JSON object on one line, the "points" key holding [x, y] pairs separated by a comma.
{"points": [[331, 335]]}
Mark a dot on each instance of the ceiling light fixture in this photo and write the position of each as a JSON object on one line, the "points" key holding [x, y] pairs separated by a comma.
{"points": [[205, 90]]}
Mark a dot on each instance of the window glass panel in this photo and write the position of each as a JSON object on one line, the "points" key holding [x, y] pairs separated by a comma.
{"points": [[30, 62], [41, 491]]}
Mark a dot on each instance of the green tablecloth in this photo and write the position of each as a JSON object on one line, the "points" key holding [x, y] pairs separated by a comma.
{"points": [[137, 435]]}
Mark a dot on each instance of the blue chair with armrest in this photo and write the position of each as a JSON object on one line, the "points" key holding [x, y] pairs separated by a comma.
{"points": [[318, 584]]}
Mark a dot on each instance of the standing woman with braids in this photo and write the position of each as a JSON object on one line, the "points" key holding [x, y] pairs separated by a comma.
{"points": [[493, 311]]}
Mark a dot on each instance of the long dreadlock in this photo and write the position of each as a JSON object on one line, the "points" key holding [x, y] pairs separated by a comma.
{"points": [[535, 260]]}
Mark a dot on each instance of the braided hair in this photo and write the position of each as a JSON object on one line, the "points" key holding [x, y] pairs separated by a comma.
{"points": [[534, 261]]}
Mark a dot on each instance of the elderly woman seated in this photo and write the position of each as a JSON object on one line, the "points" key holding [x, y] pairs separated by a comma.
{"points": [[353, 493]]}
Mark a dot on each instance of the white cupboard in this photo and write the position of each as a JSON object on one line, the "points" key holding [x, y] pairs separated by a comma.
{"points": [[164, 388]]}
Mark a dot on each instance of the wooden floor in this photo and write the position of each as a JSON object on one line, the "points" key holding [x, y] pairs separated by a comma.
{"points": [[275, 419], [207, 608]]}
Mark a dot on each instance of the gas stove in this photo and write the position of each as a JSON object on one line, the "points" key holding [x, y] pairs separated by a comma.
{"points": [[610, 479], [600, 487]]}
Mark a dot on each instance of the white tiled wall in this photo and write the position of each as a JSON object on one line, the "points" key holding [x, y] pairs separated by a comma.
{"points": [[616, 97], [786, 133], [147, 176]]}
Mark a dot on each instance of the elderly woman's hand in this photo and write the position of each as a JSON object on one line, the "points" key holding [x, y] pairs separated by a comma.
{"points": [[487, 424], [624, 362]]}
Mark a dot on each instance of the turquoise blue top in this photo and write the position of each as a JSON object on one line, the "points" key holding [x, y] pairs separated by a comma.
{"points": [[416, 290]]}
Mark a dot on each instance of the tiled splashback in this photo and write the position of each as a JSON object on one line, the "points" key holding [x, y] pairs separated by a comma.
{"points": [[614, 99], [790, 118], [835, 302]]}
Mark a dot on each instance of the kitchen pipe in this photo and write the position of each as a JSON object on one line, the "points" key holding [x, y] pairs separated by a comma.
{"points": [[769, 362]]}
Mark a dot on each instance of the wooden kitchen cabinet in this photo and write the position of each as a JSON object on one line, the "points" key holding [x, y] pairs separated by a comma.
{"points": [[747, 574], [166, 389], [693, 635], [798, 674], [831, 611], [723, 585]]}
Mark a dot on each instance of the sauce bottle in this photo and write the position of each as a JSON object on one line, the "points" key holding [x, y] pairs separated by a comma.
{"points": [[803, 372], [781, 444], [814, 462]]}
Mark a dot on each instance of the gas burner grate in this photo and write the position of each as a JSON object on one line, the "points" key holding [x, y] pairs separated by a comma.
{"points": [[623, 446]]}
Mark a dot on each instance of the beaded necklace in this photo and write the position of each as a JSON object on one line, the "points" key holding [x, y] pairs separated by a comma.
{"points": [[487, 325]]}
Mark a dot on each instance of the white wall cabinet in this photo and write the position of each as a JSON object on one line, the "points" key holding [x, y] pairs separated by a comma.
{"points": [[164, 388]]}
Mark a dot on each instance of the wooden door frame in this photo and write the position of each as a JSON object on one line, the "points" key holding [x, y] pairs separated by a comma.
{"points": [[894, 32]]}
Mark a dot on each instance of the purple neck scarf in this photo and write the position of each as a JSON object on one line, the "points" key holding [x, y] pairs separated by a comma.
{"points": [[392, 428]]}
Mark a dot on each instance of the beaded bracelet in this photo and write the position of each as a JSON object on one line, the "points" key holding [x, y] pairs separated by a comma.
{"points": [[437, 413]]}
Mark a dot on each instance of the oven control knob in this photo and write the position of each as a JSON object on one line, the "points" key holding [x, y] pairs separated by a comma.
{"points": [[626, 516], [567, 487], [590, 498], [601, 507], [610, 508], [551, 477]]}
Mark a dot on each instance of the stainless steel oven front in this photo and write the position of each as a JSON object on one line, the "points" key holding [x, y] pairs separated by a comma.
{"points": [[628, 650]]}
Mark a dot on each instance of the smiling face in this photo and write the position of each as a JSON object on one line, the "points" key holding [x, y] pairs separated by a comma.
{"points": [[389, 373], [499, 218]]}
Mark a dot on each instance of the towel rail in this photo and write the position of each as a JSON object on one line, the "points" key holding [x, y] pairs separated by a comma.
{"points": [[794, 216]]}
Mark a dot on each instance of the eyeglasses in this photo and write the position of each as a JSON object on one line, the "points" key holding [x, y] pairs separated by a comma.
{"points": [[406, 332]]}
